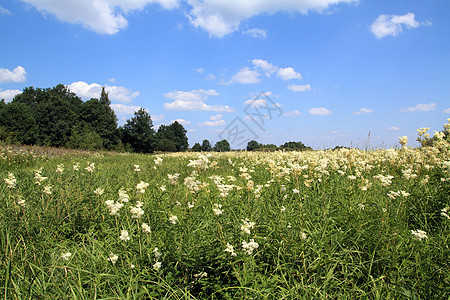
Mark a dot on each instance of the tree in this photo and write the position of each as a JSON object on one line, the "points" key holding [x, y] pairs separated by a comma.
{"points": [[197, 147], [139, 133], [176, 134], [100, 118], [294, 146], [166, 145], [253, 145], [222, 146], [206, 146], [18, 123]]}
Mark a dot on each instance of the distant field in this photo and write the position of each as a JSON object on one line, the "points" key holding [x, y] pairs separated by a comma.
{"points": [[344, 224]]}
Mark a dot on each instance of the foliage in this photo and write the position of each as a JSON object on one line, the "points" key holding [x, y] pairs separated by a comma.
{"points": [[222, 146], [197, 147], [139, 133], [173, 135], [206, 146]]}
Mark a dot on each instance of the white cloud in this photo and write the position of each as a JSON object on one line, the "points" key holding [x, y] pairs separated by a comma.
{"points": [[158, 118], [256, 102], [17, 75], [181, 121], [446, 111], [421, 107], [213, 123], [101, 16], [394, 128], [288, 73], [215, 118], [93, 90], [246, 76], [321, 111], [256, 33], [8, 95], [124, 109], [4, 11], [293, 113], [193, 101], [220, 18], [265, 66], [393, 25], [299, 87], [363, 111]]}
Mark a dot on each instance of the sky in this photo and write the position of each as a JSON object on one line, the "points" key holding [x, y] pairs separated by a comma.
{"points": [[324, 72]]}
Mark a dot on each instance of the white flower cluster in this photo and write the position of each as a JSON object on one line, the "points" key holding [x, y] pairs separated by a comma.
{"points": [[394, 195], [444, 212], [173, 179], [141, 186], [408, 174], [146, 228], [192, 184], [158, 161], [137, 168], [173, 219], [384, 180], [217, 209], [113, 258], [11, 180], [114, 207], [90, 168], [157, 265], [48, 190], [124, 236], [249, 247], [230, 249], [137, 211], [419, 234], [247, 225], [76, 167], [201, 163], [38, 177], [123, 196], [99, 191], [403, 140], [60, 168], [66, 256]]}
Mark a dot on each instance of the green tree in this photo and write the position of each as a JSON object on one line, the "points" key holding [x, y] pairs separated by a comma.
{"points": [[206, 146], [197, 147], [175, 133], [222, 146], [253, 145], [18, 123], [138, 132], [166, 145], [294, 146]]}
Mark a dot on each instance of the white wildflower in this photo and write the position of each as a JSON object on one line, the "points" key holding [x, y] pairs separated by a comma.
{"points": [[444, 212], [230, 249], [173, 219], [283, 209], [99, 191], [247, 225], [361, 206], [66, 256], [90, 168], [137, 168], [76, 167], [162, 188], [124, 235], [217, 209], [419, 234], [173, 179], [113, 258], [11, 180], [250, 246], [190, 205], [141, 186], [157, 253], [145, 228], [123, 196], [158, 161], [38, 177], [48, 189], [157, 265], [403, 140], [60, 168]]}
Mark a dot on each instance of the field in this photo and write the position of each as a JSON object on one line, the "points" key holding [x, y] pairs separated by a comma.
{"points": [[343, 224]]}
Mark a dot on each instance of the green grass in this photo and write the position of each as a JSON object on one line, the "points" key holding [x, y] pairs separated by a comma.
{"points": [[319, 235]]}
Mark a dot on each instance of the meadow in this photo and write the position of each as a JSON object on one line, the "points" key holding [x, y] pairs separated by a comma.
{"points": [[342, 224]]}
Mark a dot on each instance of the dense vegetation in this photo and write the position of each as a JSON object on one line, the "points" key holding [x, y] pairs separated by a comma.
{"points": [[335, 224]]}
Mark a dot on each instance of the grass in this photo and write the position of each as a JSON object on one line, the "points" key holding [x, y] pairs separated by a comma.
{"points": [[324, 226]]}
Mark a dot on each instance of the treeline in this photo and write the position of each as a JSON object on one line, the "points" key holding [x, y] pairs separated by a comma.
{"points": [[57, 117], [224, 145]]}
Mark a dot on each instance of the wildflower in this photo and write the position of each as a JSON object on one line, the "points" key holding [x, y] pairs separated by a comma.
{"points": [[403, 140], [124, 236], [21, 202], [123, 196], [230, 249], [444, 212], [157, 265], [11, 180], [303, 235], [158, 161], [190, 205], [137, 210], [384, 180], [146, 228], [114, 207], [90, 168], [296, 191], [60, 169], [48, 189], [283, 209], [141, 186], [201, 275], [173, 178], [419, 234], [173, 219], [113, 258], [250, 246], [157, 253], [66, 256], [439, 135], [162, 188], [99, 191], [247, 225], [351, 177], [136, 168], [217, 209], [38, 177], [361, 206], [76, 167]]}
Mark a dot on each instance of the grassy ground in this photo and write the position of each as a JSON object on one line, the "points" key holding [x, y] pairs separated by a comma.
{"points": [[322, 224]]}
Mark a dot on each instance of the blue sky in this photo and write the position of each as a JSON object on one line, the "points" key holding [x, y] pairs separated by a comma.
{"points": [[325, 72]]}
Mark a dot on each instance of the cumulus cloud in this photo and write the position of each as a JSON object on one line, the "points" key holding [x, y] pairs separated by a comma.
{"points": [[17, 75], [293, 113], [394, 128], [299, 87], [93, 90], [421, 107], [246, 76], [446, 111], [8, 95], [288, 73], [123, 109], [320, 111], [363, 111], [256, 33], [101, 16], [220, 18], [215, 118], [193, 101], [393, 25], [181, 121], [256, 102], [213, 123], [264, 66]]}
